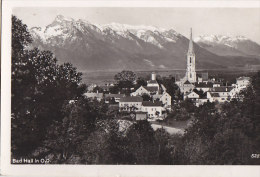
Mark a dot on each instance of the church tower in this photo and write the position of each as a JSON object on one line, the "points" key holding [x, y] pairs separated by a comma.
{"points": [[190, 70]]}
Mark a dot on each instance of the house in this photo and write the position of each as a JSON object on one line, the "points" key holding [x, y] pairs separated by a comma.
{"points": [[116, 97], [130, 103], [204, 86], [215, 97], [145, 90], [93, 95], [192, 95], [165, 98], [243, 82], [153, 109], [222, 90], [217, 84], [220, 94], [186, 87]]}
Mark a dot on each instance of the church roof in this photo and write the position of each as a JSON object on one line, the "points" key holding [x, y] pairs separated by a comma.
{"points": [[152, 103], [152, 82], [131, 99], [191, 43]]}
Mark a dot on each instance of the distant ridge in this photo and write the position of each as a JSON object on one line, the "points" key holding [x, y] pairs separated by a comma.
{"points": [[226, 45], [120, 46]]}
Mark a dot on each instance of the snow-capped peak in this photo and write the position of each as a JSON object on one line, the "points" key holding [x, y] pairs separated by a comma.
{"points": [[61, 18], [64, 27], [126, 27], [219, 38]]}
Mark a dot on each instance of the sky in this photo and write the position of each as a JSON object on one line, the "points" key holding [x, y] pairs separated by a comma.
{"points": [[203, 21]]}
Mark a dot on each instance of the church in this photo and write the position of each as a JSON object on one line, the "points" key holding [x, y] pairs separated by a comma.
{"points": [[186, 84]]}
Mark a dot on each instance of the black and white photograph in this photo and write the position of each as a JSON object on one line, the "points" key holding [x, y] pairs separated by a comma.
{"points": [[135, 86]]}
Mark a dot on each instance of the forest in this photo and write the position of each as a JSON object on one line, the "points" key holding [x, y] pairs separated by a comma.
{"points": [[51, 119]]}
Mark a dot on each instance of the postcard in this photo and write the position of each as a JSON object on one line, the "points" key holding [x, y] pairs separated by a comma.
{"points": [[127, 88]]}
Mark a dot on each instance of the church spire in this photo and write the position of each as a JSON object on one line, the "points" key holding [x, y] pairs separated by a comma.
{"points": [[191, 51]]}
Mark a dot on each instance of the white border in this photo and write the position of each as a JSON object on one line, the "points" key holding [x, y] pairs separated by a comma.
{"points": [[99, 170]]}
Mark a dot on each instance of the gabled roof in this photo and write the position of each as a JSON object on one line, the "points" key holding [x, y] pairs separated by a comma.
{"points": [[193, 93], [204, 85], [131, 99], [187, 82], [221, 89], [152, 103], [151, 89]]}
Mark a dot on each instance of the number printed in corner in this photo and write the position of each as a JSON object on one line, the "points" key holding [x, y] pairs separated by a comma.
{"points": [[255, 156]]}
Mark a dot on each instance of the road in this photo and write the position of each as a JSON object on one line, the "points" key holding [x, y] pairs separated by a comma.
{"points": [[170, 130]]}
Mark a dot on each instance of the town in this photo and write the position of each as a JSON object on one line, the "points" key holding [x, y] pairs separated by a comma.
{"points": [[143, 116], [151, 101]]}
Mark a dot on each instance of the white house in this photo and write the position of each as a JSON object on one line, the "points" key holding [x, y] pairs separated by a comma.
{"points": [[213, 97], [186, 87], [205, 87], [191, 95], [145, 90], [165, 98], [152, 108], [140, 91], [220, 94], [243, 82], [130, 103]]}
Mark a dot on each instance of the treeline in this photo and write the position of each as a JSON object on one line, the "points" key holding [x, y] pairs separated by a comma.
{"points": [[52, 120]]}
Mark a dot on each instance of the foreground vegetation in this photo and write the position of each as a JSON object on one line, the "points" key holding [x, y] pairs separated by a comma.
{"points": [[52, 120]]}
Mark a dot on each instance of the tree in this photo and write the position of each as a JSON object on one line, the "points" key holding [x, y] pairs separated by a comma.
{"points": [[171, 88], [140, 138], [140, 82], [98, 89], [147, 97], [39, 89], [83, 120], [125, 76], [125, 81], [164, 147]]}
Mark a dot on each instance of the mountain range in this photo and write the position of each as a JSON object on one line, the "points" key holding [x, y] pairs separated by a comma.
{"points": [[228, 46], [117, 46]]}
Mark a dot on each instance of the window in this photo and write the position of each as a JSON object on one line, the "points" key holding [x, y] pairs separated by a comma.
{"points": [[190, 59]]}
